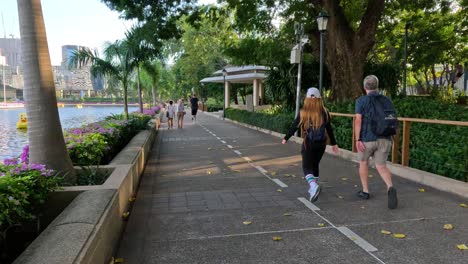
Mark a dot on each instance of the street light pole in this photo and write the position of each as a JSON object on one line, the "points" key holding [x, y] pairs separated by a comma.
{"points": [[4, 85], [322, 20], [224, 104], [299, 30], [405, 56]]}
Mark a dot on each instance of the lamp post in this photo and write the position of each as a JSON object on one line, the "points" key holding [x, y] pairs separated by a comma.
{"points": [[296, 58], [202, 94], [322, 20], [224, 104], [408, 24]]}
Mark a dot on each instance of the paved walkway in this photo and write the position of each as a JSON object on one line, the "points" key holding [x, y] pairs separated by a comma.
{"points": [[203, 182]]}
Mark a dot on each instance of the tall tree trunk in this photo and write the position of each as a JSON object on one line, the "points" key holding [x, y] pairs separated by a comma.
{"points": [[153, 93], [428, 82], [347, 50], [125, 97], [46, 142], [434, 77], [140, 99]]}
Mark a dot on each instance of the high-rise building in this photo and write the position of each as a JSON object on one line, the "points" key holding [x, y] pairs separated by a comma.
{"points": [[11, 49], [67, 53], [75, 81]]}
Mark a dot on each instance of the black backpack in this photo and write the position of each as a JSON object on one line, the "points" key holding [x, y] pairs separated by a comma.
{"points": [[319, 134], [383, 118]]}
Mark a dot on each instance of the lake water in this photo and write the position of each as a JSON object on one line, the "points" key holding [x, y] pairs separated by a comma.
{"points": [[12, 140]]}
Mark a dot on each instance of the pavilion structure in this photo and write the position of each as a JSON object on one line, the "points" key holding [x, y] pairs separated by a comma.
{"points": [[242, 74]]}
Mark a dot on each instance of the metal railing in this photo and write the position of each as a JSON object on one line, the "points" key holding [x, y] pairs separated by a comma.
{"points": [[405, 149]]}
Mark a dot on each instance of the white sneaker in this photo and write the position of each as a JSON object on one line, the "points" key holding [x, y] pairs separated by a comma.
{"points": [[314, 192]]}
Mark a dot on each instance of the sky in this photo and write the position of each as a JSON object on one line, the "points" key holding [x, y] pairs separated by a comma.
{"points": [[71, 22]]}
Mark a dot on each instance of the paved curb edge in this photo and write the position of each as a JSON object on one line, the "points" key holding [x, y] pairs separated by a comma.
{"points": [[430, 179]]}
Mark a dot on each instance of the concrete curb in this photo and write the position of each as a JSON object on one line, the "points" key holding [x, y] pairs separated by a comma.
{"points": [[88, 230], [426, 178]]}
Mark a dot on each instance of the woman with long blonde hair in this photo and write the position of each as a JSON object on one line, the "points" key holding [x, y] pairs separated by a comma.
{"points": [[314, 123]]}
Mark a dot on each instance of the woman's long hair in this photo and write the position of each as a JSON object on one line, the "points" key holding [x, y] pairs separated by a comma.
{"points": [[312, 113]]}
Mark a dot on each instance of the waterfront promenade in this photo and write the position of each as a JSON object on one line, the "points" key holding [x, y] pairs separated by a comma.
{"points": [[216, 192]]}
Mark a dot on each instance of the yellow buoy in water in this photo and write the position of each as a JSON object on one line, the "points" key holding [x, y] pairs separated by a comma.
{"points": [[23, 122], [79, 106]]}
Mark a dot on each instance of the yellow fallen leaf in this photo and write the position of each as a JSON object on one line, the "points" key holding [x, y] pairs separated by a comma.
{"points": [[321, 224], [126, 214], [399, 235], [385, 232], [277, 238], [463, 205], [273, 173], [279, 190], [247, 222], [237, 171], [209, 172], [353, 238], [209, 148], [287, 175], [287, 214], [421, 190], [448, 226], [210, 162], [344, 179], [131, 199], [341, 197], [355, 186], [462, 247], [119, 260], [371, 176]]}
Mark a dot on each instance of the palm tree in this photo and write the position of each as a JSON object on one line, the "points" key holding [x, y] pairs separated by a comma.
{"points": [[142, 52], [46, 142], [151, 71], [118, 63]]}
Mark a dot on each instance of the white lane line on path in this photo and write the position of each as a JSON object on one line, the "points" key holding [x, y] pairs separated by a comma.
{"points": [[214, 135], [310, 205], [218, 138], [229, 146], [254, 233], [222, 141], [261, 169], [237, 152], [280, 183], [344, 230], [356, 239]]}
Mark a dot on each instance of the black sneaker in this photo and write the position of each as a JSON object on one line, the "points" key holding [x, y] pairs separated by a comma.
{"points": [[363, 195], [392, 198]]}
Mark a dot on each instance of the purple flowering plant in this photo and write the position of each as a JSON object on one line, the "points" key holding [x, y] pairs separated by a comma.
{"points": [[23, 189]]}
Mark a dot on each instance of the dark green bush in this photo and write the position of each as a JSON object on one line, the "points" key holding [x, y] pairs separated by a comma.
{"points": [[214, 107], [278, 122], [440, 149]]}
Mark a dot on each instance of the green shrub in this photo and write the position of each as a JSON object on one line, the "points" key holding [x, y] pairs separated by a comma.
{"points": [[440, 149], [279, 122], [23, 190]]}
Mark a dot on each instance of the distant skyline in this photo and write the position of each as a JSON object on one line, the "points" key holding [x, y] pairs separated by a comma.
{"points": [[70, 22]]}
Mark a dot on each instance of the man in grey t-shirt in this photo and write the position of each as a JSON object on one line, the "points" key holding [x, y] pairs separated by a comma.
{"points": [[370, 145]]}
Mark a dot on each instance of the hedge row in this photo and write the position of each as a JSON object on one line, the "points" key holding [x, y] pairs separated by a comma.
{"points": [[440, 149]]}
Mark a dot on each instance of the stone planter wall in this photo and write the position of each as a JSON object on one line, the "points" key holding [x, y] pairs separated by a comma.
{"points": [[87, 231]]}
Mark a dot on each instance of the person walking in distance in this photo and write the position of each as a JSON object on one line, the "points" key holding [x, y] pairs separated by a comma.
{"points": [[170, 113], [180, 113], [314, 123], [375, 123], [194, 106]]}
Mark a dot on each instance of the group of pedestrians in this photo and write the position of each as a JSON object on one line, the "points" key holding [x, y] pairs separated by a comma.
{"points": [[178, 110], [375, 124]]}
